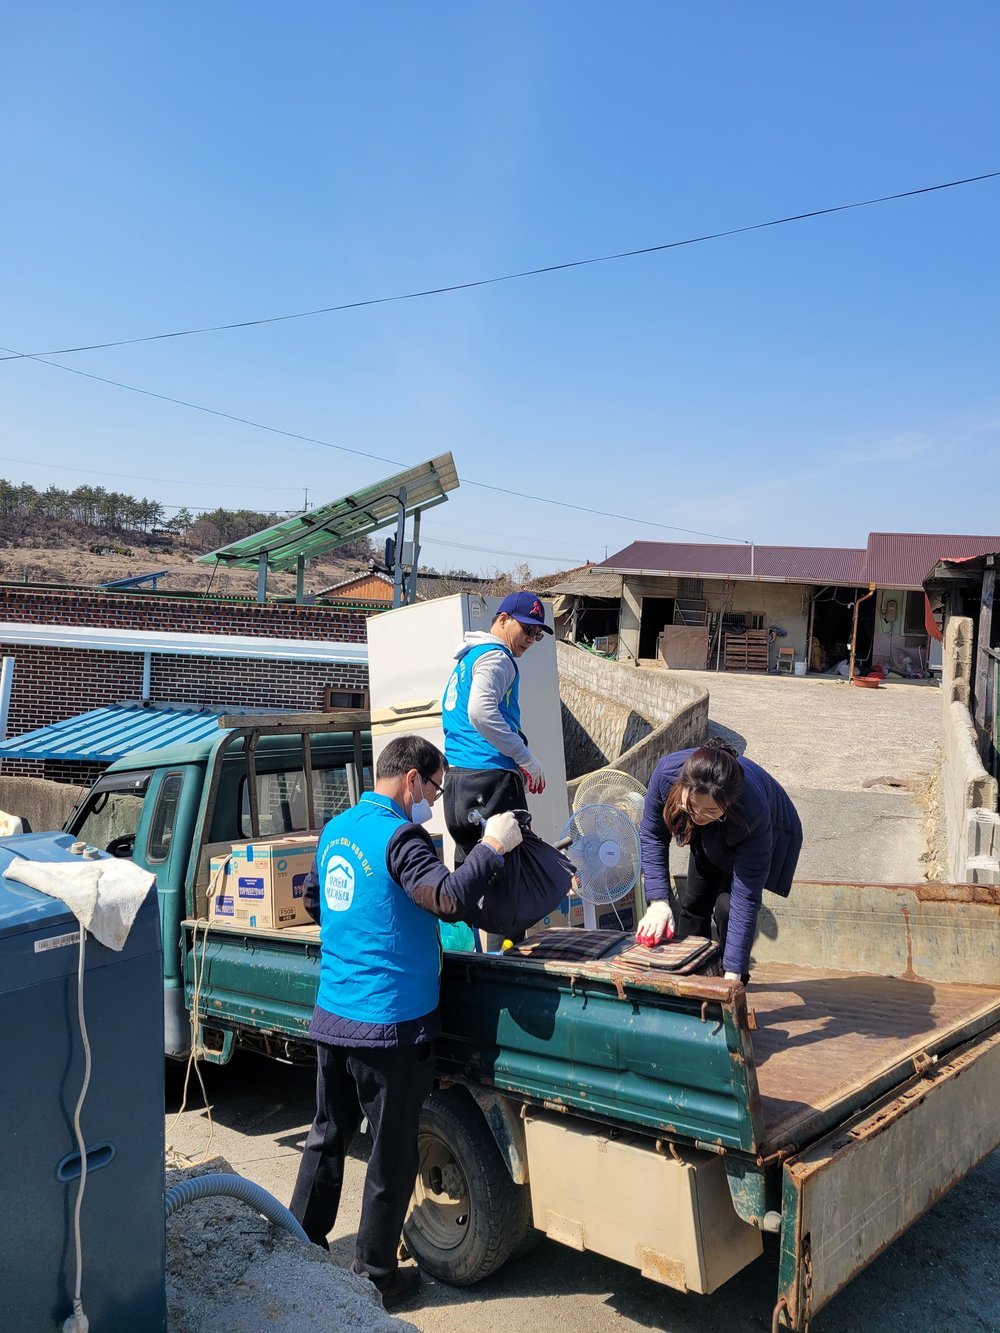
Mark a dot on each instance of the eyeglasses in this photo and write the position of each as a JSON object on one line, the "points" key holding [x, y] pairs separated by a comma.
{"points": [[436, 785], [710, 817], [530, 633]]}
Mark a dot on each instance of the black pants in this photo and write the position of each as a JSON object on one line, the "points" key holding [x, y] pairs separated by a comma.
{"points": [[707, 893], [485, 791], [390, 1086]]}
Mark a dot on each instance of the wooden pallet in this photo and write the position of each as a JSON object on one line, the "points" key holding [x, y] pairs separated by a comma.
{"points": [[747, 652]]}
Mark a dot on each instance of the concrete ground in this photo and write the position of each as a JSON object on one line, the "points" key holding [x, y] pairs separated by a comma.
{"points": [[859, 765]]}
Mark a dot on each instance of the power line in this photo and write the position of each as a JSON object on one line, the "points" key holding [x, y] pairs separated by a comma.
{"points": [[517, 555], [361, 453], [507, 277]]}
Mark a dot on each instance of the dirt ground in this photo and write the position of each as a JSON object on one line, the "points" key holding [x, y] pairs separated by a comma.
{"points": [[226, 1264]]}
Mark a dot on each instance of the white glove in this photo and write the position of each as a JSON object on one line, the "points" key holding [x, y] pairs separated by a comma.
{"points": [[504, 829], [657, 923], [733, 976], [534, 776]]}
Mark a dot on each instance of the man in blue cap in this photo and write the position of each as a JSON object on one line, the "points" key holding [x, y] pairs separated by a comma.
{"points": [[489, 760]]}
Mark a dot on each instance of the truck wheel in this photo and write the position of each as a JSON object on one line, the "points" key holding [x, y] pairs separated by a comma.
{"points": [[466, 1215], [526, 1236]]}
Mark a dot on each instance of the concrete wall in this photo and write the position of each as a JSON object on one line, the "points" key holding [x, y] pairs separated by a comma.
{"points": [[968, 792], [784, 604], [624, 717], [45, 805]]}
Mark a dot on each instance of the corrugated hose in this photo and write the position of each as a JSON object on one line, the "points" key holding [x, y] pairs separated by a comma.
{"points": [[235, 1187]]}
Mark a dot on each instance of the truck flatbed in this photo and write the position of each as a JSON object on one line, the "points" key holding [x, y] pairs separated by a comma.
{"points": [[823, 1043], [825, 1039]]}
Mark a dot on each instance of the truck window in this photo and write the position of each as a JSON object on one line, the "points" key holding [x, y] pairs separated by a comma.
{"points": [[161, 826], [281, 799], [109, 817]]}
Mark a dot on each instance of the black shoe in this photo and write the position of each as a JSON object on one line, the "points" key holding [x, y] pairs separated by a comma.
{"points": [[400, 1288]]}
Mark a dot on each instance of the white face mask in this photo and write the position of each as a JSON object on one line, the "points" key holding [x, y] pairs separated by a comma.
{"points": [[421, 810]]}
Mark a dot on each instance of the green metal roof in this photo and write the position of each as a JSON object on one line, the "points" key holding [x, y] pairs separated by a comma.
{"points": [[105, 734], [331, 525]]}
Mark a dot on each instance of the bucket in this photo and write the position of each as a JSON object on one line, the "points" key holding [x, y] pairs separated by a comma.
{"points": [[800, 668]]}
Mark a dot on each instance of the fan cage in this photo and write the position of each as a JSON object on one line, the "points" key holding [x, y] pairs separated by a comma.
{"points": [[604, 847], [610, 786]]}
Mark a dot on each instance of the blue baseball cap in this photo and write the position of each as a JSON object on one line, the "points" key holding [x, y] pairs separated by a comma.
{"points": [[526, 608]]}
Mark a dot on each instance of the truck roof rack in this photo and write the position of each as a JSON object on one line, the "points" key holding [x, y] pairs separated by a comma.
{"points": [[255, 725]]}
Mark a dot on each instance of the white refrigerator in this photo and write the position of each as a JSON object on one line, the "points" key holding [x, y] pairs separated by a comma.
{"points": [[411, 651]]}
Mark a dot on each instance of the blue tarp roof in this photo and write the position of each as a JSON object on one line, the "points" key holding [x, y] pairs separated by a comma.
{"points": [[106, 734]]}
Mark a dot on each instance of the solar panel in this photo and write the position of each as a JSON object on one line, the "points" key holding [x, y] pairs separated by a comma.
{"points": [[359, 514]]}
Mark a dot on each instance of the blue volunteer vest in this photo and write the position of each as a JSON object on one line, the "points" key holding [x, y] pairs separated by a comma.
{"points": [[380, 957], [463, 745]]}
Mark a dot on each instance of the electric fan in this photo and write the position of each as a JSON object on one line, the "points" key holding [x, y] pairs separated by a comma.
{"points": [[609, 786], [603, 844]]}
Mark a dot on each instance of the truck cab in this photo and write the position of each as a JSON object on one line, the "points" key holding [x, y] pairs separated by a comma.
{"points": [[168, 809]]}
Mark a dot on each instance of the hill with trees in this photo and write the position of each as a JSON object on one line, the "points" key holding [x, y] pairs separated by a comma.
{"points": [[92, 535]]}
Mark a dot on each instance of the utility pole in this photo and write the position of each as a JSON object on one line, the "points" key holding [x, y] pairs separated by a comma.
{"points": [[305, 503]]}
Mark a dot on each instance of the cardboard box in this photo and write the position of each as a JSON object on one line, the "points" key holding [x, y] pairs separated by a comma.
{"points": [[259, 885]]}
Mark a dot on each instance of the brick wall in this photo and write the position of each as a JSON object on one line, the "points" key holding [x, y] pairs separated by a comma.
{"points": [[160, 612], [51, 684]]}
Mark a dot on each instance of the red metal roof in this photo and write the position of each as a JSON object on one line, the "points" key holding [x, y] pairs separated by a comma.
{"points": [[891, 559], [904, 559], [794, 564]]}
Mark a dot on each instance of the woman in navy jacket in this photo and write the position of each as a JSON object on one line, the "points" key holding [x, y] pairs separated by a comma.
{"points": [[744, 836]]}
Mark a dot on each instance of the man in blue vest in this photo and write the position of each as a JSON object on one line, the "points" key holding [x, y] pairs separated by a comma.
{"points": [[489, 760], [382, 888]]}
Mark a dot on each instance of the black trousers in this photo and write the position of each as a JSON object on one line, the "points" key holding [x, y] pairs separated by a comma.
{"points": [[389, 1086], [487, 791], [707, 894]]}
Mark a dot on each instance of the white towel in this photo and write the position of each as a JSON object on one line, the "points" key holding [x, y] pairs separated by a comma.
{"points": [[103, 895]]}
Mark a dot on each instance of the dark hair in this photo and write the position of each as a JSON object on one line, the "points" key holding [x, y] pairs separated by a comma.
{"points": [[406, 752], [713, 770]]}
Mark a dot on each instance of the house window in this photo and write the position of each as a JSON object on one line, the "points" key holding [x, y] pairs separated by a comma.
{"points": [[913, 622], [334, 698]]}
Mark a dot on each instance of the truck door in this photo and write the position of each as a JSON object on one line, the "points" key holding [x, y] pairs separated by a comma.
{"points": [[147, 815]]}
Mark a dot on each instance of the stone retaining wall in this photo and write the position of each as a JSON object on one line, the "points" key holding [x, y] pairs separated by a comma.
{"points": [[45, 805], [968, 792], [624, 717]]}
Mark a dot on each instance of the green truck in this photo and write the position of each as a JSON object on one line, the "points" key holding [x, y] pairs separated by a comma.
{"points": [[669, 1122]]}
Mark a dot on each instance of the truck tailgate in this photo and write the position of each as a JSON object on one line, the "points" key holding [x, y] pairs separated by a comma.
{"points": [[854, 1192]]}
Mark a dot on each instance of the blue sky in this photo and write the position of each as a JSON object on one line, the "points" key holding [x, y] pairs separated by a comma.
{"points": [[170, 166]]}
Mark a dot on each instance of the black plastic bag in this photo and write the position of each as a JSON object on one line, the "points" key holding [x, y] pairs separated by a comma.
{"points": [[533, 882]]}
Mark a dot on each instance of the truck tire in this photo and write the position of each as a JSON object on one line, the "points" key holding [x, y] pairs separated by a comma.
{"points": [[525, 1234], [466, 1216]]}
